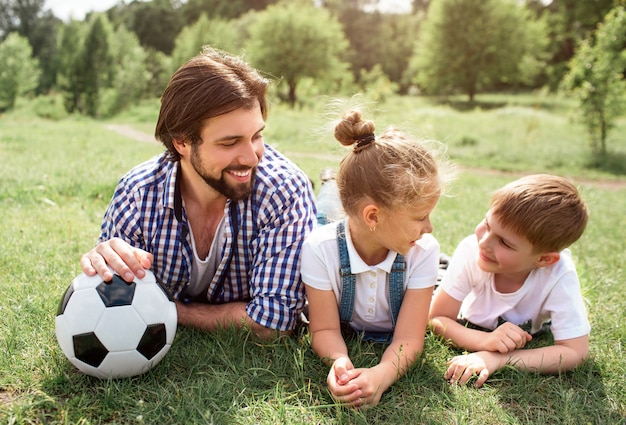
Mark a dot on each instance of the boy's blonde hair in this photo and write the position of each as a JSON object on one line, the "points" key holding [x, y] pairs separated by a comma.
{"points": [[390, 169], [545, 209]]}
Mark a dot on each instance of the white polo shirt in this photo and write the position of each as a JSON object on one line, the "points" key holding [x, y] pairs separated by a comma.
{"points": [[320, 267]]}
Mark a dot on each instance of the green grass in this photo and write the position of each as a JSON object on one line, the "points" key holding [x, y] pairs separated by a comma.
{"points": [[56, 179]]}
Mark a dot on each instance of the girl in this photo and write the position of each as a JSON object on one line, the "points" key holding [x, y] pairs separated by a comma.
{"points": [[374, 271]]}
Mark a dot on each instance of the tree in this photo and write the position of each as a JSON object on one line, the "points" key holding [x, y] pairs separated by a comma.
{"points": [[129, 74], [19, 72], [26, 18], [596, 77], [156, 23], [396, 44], [224, 9], [567, 22], [70, 78], [97, 63], [19, 16], [295, 40], [470, 46], [215, 32]]}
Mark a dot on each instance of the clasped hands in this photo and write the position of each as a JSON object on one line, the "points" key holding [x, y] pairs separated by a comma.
{"points": [[358, 388]]}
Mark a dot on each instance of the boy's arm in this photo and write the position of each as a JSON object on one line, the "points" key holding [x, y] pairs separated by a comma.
{"points": [[562, 356], [443, 313]]}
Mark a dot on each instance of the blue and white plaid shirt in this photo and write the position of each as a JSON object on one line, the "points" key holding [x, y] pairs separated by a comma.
{"points": [[261, 266]]}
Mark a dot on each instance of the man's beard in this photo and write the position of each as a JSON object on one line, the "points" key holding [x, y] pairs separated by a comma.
{"points": [[234, 192]]}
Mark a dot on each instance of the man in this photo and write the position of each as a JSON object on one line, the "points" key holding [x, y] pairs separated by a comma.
{"points": [[220, 217]]}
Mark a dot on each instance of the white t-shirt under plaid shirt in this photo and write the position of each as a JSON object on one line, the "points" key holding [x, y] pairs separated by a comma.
{"points": [[271, 224]]}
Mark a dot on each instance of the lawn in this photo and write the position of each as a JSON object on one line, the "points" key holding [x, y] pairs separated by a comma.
{"points": [[57, 177]]}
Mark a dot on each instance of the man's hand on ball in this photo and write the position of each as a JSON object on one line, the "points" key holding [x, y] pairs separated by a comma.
{"points": [[125, 260]]}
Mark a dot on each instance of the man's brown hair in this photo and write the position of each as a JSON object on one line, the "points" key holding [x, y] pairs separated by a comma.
{"points": [[212, 83]]}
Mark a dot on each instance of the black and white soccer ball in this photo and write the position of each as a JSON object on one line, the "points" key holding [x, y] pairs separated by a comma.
{"points": [[115, 329]]}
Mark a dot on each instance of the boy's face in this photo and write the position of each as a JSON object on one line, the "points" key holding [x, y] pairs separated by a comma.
{"points": [[502, 251]]}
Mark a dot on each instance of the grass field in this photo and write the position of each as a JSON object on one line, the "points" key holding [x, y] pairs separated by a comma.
{"points": [[56, 178]]}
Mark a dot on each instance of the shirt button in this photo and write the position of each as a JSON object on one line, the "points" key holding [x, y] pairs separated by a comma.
{"points": [[370, 310], [372, 285], [373, 274], [371, 299]]}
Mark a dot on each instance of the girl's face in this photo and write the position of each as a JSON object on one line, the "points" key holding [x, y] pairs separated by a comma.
{"points": [[404, 227], [501, 250]]}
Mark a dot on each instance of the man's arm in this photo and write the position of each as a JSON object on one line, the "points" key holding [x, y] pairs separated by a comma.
{"points": [[211, 317]]}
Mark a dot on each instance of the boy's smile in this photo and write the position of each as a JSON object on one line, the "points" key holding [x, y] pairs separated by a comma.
{"points": [[504, 252]]}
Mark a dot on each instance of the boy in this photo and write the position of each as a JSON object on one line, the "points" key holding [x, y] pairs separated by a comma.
{"points": [[511, 279]]}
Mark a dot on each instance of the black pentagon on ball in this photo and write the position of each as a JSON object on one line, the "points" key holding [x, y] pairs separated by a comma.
{"points": [[89, 349], [116, 292], [153, 340]]}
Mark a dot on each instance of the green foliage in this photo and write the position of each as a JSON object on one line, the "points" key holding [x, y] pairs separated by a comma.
{"points": [[96, 64], [19, 72], [468, 47], [220, 9], [293, 40], [130, 76], [375, 85], [155, 23], [215, 32], [70, 77], [375, 38], [102, 70], [50, 106], [596, 78]]}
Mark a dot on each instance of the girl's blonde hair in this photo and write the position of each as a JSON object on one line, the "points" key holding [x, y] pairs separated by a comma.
{"points": [[390, 169]]}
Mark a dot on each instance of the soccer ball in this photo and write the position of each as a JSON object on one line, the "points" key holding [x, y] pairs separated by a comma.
{"points": [[115, 329]]}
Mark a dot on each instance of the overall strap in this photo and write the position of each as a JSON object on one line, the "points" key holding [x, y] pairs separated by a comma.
{"points": [[348, 280], [396, 287]]}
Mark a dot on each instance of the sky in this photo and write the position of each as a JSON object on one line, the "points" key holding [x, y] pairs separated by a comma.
{"points": [[66, 9]]}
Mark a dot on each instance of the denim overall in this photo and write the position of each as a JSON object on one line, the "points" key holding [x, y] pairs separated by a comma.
{"points": [[348, 283]]}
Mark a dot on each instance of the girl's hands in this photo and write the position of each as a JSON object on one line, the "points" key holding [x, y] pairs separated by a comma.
{"points": [[357, 388], [340, 384]]}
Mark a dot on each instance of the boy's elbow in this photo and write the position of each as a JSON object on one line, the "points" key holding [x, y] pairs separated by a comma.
{"points": [[436, 325], [579, 349]]}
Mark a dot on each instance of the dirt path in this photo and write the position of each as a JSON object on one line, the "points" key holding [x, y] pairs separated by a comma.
{"points": [[131, 133]]}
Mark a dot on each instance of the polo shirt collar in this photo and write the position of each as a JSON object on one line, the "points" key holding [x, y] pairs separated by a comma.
{"points": [[357, 265]]}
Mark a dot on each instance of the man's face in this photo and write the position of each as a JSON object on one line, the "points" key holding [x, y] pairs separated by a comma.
{"points": [[230, 149]]}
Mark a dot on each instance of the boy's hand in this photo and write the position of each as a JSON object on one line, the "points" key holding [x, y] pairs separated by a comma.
{"points": [[481, 364], [506, 338]]}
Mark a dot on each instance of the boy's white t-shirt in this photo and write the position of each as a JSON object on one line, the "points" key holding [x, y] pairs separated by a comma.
{"points": [[549, 293], [320, 270]]}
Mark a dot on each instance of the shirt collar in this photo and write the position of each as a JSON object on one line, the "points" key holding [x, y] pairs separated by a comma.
{"points": [[173, 197]]}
